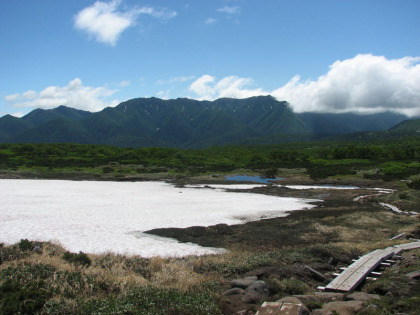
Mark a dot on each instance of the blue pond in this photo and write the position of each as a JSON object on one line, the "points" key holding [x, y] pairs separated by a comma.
{"points": [[254, 179]]}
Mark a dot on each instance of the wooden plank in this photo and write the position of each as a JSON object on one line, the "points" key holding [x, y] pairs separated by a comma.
{"points": [[399, 248], [349, 279], [354, 274], [391, 207]]}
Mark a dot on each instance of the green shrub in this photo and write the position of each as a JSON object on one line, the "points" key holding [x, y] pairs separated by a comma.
{"points": [[107, 169], [25, 245], [414, 184], [26, 299], [287, 286], [80, 259]]}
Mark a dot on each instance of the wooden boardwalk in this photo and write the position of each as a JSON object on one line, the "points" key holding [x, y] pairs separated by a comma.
{"points": [[354, 274], [280, 308]]}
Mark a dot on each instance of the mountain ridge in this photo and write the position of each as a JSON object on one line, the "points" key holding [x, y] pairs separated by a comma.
{"points": [[186, 123]]}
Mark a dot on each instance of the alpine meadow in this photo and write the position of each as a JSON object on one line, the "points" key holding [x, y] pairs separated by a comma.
{"points": [[210, 157]]}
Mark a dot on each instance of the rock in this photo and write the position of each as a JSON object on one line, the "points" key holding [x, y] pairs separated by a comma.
{"points": [[263, 272], [233, 291], [269, 308], [371, 309], [254, 278], [321, 312], [287, 305], [256, 292], [361, 296], [316, 275], [37, 249], [415, 275], [294, 300], [292, 308], [329, 296], [241, 283], [307, 299], [345, 307], [290, 299]]}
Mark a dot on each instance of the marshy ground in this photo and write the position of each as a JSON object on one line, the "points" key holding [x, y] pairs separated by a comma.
{"points": [[275, 250]]}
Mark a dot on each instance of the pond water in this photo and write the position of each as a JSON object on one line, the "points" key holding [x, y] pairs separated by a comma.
{"points": [[96, 217], [254, 179]]}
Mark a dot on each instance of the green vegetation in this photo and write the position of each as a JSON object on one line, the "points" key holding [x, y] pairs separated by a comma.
{"points": [[80, 259], [43, 278], [391, 160], [187, 123]]}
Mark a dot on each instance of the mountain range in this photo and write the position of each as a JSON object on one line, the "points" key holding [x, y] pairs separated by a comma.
{"points": [[187, 123]]}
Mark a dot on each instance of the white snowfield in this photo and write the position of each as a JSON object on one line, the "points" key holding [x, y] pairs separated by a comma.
{"points": [[97, 217]]}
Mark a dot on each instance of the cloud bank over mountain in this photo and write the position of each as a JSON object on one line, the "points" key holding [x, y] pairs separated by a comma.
{"points": [[74, 95], [364, 84]]}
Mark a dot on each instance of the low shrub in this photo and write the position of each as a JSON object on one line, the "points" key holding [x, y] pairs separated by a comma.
{"points": [[414, 184], [80, 259], [286, 287], [107, 169], [25, 245], [23, 299]]}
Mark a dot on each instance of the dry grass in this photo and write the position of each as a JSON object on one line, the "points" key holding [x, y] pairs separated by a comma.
{"points": [[340, 229]]}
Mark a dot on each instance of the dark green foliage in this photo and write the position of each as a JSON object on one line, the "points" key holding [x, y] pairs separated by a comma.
{"points": [[286, 287], [23, 299], [80, 259], [151, 300], [408, 125], [107, 169], [23, 289], [25, 245], [392, 160], [414, 184], [19, 250]]}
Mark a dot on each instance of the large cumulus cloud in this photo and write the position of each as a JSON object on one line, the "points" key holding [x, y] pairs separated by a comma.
{"points": [[105, 21], [74, 95], [364, 84]]}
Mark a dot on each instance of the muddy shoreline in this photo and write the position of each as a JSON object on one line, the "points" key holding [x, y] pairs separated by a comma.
{"points": [[272, 233]]}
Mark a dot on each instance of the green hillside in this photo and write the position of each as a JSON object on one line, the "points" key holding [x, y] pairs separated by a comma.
{"points": [[408, 126], [187, 123]]}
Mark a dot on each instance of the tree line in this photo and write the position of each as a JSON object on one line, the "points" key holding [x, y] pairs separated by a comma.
{"points": [[319, 158]]}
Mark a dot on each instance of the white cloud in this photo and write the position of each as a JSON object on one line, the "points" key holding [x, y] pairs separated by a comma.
{"points": [[163, 94], [102, 21], [105, 22], [157, 13], [365, 83], [181, 79], [73, 95], [12, 97], [207, 88], [18, 114], [229, 10], [210, 21], [124, 83]]}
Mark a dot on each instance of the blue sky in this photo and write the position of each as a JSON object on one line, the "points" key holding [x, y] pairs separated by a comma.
{"points": [[319, 55]]}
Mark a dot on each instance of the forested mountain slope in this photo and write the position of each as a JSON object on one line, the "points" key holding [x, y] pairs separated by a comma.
{"points": [[186, 123]]}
